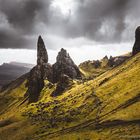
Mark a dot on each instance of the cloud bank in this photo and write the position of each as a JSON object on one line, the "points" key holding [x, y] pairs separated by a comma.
{"points": [[102, 21]]}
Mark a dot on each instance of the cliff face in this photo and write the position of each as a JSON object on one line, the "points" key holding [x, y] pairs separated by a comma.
{"points": [[65, 66], [136, 48], [35, 83]]}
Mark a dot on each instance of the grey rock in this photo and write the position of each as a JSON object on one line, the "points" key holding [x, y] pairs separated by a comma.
{"points": [[48, 72], [136, 48], [42, 55], [65, 66], [35, 82], [96, 64], [61, 72]]}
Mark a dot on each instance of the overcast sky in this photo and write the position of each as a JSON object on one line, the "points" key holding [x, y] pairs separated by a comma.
{"points": [[88, 29]]}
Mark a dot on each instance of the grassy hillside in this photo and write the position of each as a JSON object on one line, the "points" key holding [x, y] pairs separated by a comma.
{"points": [[105, 108], [92, 69]]}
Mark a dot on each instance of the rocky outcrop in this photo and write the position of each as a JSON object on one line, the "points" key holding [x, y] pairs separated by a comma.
{"points": [[62, 72], [119, 60], [65, 66], [42, 55], [48, 72], [64, 83], [136, 48], [95, 63], [105, 62], [114, 61], [35, 82]]}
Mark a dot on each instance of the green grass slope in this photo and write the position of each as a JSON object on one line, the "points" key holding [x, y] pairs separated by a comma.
{"points": [[105, 108], [90, 70]]}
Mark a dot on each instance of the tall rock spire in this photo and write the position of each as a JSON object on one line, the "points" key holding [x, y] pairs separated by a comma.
{"points": [[36, 76], [136, 48], [42, 55]]}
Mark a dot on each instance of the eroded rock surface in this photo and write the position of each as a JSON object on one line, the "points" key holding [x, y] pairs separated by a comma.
{"points": [[136, 48], [61, 72], [42, 55], [65, 66], [35, 82]]}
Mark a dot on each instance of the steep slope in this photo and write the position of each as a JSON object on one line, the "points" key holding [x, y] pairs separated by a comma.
{"points": [[104, 108]]}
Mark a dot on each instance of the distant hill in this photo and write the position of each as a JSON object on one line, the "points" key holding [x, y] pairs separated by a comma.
{"points": [[11, 71], [94, 68], [27, 65]]}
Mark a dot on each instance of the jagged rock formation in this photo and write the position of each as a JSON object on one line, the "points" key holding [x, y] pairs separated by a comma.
{"points": [[65, 66], [42, 55], [115, 61], [35, 83], [96, 63], [105, 62], [136, 48], [36, 76], [48, 72], [62, 71]]}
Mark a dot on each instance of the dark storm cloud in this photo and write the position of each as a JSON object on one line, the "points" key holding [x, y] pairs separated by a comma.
{"points": [[14, 40], [21, 16], [104, 21], [98, 20]]}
